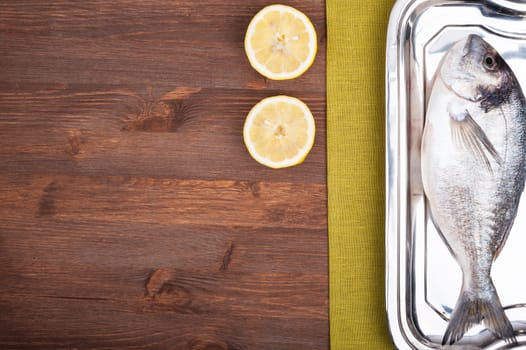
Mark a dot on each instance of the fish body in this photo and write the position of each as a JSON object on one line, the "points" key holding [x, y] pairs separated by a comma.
{"points": [[473, 171]]}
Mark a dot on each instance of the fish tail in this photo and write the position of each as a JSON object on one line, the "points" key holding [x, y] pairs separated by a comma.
{"points": [[472, 309]]}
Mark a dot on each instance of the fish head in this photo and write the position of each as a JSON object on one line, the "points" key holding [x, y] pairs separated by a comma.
{"points": [[475, 71]]}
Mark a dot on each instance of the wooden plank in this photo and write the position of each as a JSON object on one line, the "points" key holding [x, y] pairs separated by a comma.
{"points": [[197, 43], [182, 132], [170, 201], [49, 244], [168, 290], [47, 323]]}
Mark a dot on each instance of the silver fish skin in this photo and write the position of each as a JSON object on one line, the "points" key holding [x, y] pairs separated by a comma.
{"points": [[473, 162]]}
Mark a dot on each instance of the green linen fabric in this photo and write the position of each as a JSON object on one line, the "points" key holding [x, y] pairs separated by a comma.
{"points": [[356, 34]]}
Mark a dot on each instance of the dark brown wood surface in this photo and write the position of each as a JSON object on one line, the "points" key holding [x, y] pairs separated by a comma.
{"points": [[131, 215]]}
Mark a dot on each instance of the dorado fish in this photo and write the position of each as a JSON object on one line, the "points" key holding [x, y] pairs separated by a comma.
{"points": [[473, 171]]}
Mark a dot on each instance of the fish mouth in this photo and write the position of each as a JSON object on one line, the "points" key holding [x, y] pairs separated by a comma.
{"points": [[477, 46], [474, 43]]}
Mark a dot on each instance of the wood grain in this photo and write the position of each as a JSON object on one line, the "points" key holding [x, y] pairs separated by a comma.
{"points": [[132, 216]]}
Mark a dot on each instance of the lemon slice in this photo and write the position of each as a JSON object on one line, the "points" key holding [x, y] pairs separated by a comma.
{"points": [[279, 131], [280, 42]]}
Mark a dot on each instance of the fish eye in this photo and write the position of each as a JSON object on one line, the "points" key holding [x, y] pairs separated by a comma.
{"points": [[489, 62]]}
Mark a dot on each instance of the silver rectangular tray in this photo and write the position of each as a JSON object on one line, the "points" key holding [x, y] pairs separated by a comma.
{"points": [[422, 278]]}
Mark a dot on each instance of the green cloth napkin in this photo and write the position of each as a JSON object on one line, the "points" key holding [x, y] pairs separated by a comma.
{"points": [[356, 33]]}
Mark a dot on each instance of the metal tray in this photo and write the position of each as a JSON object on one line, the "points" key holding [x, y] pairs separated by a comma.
{"points": [[422, 278]]}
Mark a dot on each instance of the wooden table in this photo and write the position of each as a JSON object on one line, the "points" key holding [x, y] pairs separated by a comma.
{"points": [[131, 215]]}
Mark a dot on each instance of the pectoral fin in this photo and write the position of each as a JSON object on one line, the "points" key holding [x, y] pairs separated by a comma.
{"points": [[468, 134]]}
